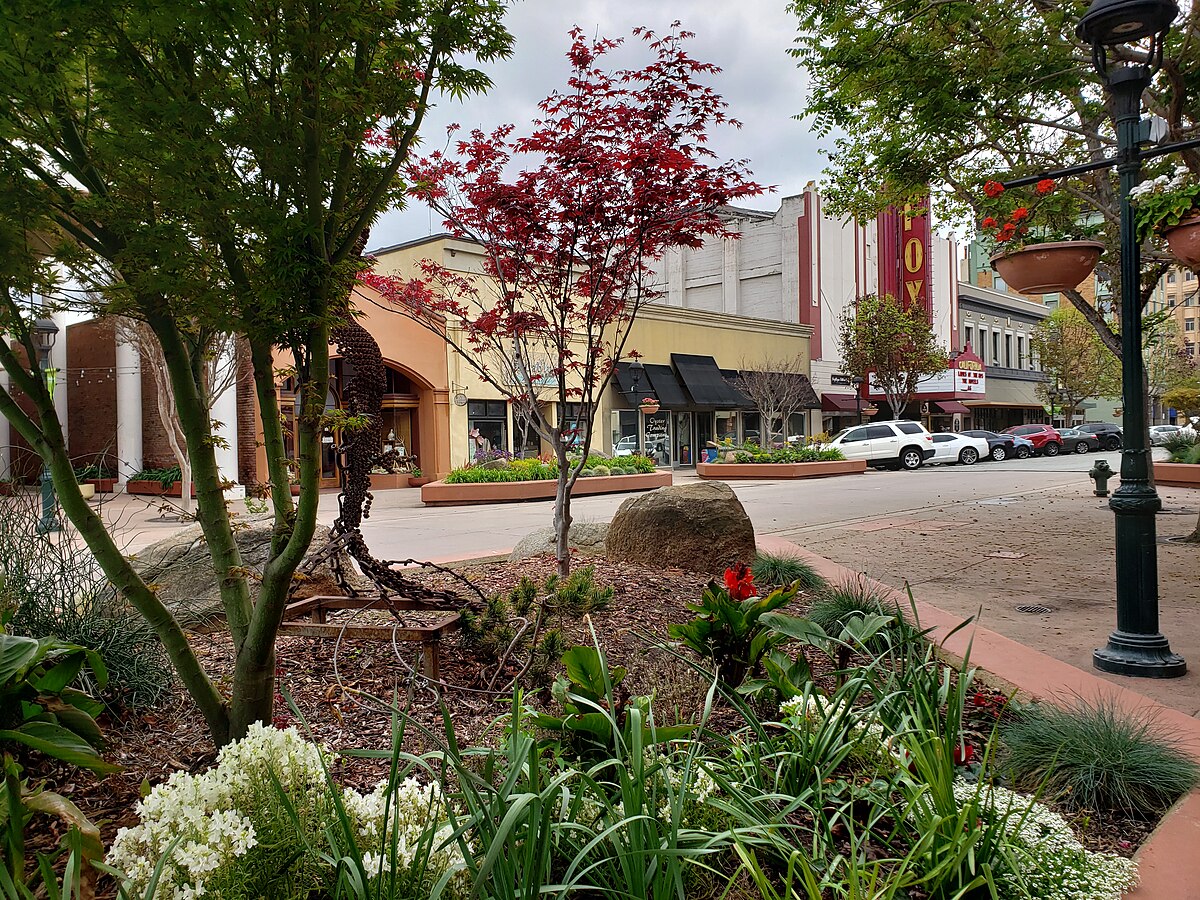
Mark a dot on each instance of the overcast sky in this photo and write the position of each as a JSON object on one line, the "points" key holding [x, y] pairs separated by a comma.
{"points": [[748, 39]]}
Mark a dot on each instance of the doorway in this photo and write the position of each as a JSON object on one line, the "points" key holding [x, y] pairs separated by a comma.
{"points": [[684, 443]]}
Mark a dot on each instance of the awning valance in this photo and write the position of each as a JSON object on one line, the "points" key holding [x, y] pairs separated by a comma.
{"points": [[840, 403], [666, 387], [951, 407]]}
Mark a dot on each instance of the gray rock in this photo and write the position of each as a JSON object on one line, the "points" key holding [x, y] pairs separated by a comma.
{"points": [[586, 538], [698, 527], [181, 567]]}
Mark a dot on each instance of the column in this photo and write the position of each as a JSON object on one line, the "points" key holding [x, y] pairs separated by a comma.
{"points": [[5, 436], [129, 411], [58, 360], [224, 417]]}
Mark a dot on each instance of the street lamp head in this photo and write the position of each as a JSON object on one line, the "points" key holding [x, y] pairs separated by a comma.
{"points": [[44, 333], [1108, 23]]}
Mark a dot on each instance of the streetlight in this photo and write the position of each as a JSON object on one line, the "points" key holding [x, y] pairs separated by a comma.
{"points": [[857, 382], [1136, 647], [44, 333], [1054, 394]]}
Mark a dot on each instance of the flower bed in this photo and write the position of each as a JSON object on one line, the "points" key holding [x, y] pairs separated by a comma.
{"points": [[500, 469], [501, 490], [781, 462]]}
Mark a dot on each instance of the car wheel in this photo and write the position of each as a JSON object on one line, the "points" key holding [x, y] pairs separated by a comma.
{"points": [[910, 458], [1022, 452], [1081, 447], [999, 454], [969, 456], [1113, 443], [1050, 448]]}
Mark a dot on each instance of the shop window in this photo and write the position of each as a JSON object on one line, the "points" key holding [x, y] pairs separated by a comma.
{"points": [[395, 427], [624, 423], [575, 423], [797, 426], [752, 428], [527, 443], [726, 426], [656, 437], [487, 426]]}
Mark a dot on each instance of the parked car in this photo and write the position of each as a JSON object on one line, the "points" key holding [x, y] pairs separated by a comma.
{"points": [[626, 446], [958, 448], [897, 444], [1109, 434], [1024, 446], [1160, 433], [1000, 446], [1045, 439], [1076, 441]]}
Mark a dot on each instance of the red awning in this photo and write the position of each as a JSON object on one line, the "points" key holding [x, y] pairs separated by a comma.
{"points": [[839, 403], [951, 407]]}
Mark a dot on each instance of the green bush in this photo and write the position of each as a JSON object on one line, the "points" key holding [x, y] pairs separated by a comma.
{"points": [[165, 476], [1183, 447], [536, 470], [789, 454], [780, 569], [1092, 755], [838, 603], [578, 594]]}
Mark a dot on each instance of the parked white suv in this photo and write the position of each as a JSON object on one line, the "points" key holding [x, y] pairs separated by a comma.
{"points": [[897, 444]]}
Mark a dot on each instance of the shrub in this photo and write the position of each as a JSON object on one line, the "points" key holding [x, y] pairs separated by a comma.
{"points": [[1183, 447], [56, 588], [780, 569], [837, 604], [579, 594], [751, 453], [166, 476], [601, 471], [1092, 755]]}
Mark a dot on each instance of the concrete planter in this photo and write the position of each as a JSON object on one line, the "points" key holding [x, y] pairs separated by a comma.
{"points": [[387, 481], [156, 489], [438, 493], [732, 471], [103, 485], [1177, 474]]}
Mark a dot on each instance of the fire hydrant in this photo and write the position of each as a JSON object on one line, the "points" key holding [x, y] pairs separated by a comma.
{"points": [[1100, 473]]}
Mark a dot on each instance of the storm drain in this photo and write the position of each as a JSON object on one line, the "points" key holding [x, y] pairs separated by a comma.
{"points": [[1036, 608]]}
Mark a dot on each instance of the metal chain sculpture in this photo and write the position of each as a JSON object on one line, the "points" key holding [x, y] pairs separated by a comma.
{"points": [[359, 452]]}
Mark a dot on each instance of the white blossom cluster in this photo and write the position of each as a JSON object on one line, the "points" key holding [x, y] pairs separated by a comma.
{"points": [[1055, 865], [1163, 184], [700, 786], [205, 825], [813, 709]]}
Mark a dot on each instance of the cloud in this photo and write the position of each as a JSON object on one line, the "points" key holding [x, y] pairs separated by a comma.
{"points": [[748, 39]]}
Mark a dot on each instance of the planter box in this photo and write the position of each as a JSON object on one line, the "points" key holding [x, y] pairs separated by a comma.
{"points": [[420, 480], [156, 489], [102, 485], [389, 480], [1177, 474], [732, 471], [438, 493]]}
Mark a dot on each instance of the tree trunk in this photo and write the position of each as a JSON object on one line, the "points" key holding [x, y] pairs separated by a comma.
{"points": [[562, 511]]}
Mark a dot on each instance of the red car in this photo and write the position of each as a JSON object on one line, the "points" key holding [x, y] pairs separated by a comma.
{"points": [[1046, 440]]}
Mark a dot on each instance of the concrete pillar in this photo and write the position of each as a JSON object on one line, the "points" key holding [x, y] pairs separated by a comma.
{"points": [[224, 417], [5, 435], [129, 410], [58, 360]]}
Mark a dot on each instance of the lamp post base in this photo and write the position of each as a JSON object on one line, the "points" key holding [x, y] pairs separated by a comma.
{"points": [[1139, 656]]}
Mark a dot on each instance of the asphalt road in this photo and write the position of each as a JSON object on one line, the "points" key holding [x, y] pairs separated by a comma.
{"points": [[401, 528]]}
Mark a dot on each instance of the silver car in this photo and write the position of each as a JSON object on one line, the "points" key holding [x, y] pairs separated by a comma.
{"points": [[1160, 433]]}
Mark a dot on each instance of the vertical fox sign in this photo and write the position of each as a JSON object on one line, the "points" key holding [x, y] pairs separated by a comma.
{"points": [[904, 237]]}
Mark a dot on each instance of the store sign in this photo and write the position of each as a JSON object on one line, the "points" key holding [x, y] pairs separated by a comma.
{"points": [[541, 373], [914, 255], [838, 380], [968, 376]]}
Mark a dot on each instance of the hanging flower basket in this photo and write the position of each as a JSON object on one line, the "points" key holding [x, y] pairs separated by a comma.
{"points": [[1048, 268], [1184, 241], [648, 405]]}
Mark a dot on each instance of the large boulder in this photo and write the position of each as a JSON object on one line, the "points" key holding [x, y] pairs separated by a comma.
{"points": [[586, 539], [180, 566], [699, 527]]}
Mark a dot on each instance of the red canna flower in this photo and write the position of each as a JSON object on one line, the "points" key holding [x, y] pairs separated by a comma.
{"points": [[739, 581], [993, 189], [1046, 185], [963, 754], [1020, 213]]}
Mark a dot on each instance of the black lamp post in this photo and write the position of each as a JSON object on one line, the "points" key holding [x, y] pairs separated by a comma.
{"points": [[44, 332], [1136, 647], [857, 382]]}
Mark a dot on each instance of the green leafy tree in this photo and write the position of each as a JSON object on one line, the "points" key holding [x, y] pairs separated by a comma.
{"points": [[207, 169], [1185, 398], [897, 345], [1076, 363], [961, 91]]}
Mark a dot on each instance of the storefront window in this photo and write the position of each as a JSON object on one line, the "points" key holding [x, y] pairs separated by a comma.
{"points": [[797, 426], [573, 419], [395, 428], [683, 439], [656, 432], [752, 431], [487, 427], [727, 426], [624, 432], [527, 443]]}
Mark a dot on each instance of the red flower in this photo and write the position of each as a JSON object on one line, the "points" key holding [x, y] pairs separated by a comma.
{"points": [[739, 581], [963, 754], [993, 189], [989, 222], [1046, 185], [1020, 213]]}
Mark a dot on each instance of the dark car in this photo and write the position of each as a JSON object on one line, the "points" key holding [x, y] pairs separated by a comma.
{"points": [[1076, 441], [1046, 440], [1108, 433], [1000, 446]]}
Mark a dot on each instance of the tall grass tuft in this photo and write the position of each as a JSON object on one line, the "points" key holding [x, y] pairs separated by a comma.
{"points": [[1091, 754], [780, 570]]}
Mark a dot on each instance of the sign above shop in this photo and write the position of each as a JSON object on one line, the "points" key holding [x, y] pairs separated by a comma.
{"points": [[840, 380]]}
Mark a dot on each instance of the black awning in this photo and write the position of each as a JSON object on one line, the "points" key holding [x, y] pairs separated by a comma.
{"points": [[666, 387], [705, 382]]}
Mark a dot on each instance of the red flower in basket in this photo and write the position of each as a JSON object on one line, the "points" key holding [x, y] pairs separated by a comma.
{"points": [[739, 581]]}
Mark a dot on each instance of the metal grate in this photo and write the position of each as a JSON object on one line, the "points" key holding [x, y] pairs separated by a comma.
{"points": [[1036, 608]]}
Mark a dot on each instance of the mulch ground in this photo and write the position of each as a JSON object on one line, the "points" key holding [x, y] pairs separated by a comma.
{"points": [[342, 690]]}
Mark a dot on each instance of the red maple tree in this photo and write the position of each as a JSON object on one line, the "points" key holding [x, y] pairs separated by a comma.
{"points": [[618, 172]]}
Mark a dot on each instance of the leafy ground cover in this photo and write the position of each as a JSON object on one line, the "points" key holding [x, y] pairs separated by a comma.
{"points": [[849, 753], [535, 469]]}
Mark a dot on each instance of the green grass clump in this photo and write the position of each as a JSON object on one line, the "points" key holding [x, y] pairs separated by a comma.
{"points": [[1092, 755], [779, 570], [837, 603]]}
